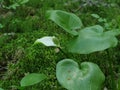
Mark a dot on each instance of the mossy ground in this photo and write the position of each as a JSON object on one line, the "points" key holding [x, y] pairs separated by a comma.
{"points": [[19, 55]]}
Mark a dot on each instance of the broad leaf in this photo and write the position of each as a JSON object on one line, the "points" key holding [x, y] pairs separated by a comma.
{"points": [[88, 77], [48, 41], [68, 21], [32, 79], [1, 89], [92, 39]]}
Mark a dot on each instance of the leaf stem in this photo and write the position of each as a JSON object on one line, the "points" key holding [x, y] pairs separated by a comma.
{"points": [[63, 52]]}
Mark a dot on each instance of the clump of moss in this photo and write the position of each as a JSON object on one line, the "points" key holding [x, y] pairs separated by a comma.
{"points": [[23, 56]]}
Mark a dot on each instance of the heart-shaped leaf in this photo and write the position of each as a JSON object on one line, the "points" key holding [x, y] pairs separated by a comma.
{"points": [[89, 77], [93, 39], [68, 21], [32, 79], [48, 41]]}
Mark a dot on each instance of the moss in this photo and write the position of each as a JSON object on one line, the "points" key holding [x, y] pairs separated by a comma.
{"points": [[19, 55], [25, 57]]}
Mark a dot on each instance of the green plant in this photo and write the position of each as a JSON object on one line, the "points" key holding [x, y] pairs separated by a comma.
{"points": [[13, 3], [103, 21], [68, 73], [87, 40]]}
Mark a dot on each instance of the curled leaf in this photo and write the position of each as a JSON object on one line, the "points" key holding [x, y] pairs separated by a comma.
{"points": [[48, 41], [68, 21]]}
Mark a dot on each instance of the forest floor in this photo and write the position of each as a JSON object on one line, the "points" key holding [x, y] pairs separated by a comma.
{"points": [[20, 27]]}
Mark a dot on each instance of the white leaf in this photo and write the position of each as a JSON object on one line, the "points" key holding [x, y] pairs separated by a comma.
{"points": [[47, 41]]}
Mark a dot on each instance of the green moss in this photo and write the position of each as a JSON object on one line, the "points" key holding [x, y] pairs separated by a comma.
{"points": [[23, 57], [27, 57], [20, 56]]}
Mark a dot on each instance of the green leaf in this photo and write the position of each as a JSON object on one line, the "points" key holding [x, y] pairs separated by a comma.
{"points": [[32, 79], [1, 89], [23, 1], [13, 6], [48, 41], [88, 77], [1, 26], [68, 21], [92, 39], [95, 16], [102, 20]]}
